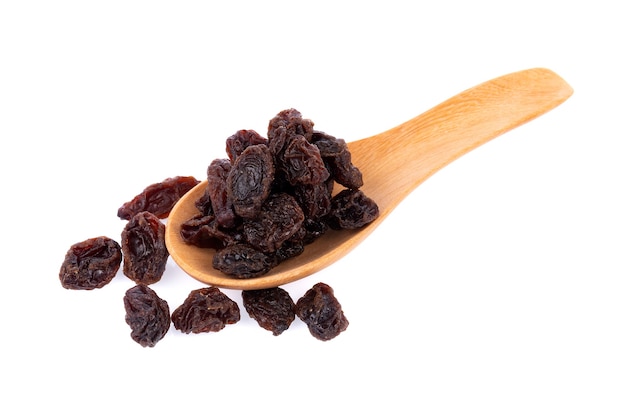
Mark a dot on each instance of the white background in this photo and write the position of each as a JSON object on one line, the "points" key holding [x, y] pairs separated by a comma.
{"points": [[502, 276]]}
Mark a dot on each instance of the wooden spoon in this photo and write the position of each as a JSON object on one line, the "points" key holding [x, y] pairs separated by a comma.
{"points": [[393, 164]]}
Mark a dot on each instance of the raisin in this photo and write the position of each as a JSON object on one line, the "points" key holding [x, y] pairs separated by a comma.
{"points": [[204, 231], [302, 163], [147, 315], [158, 198], [335, 153], [205, 310], [250, 180], [204, 205], [352, 209], [291, 120], [238, 142], [272, 308], [217, 174], [279, 218], [344, 172], [90, 264], [143, 246], [242, 261], [328, 145], [320, 310], [315, 200]]}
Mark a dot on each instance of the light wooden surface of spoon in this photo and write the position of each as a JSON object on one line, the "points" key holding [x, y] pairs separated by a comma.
{"points": [[393, 164]]}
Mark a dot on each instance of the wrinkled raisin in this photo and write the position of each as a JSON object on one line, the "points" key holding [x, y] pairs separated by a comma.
{"points": [[279, 218], [320, 310], [143, 246], [302, 163], [272, 308], [238, 142], [217, 173], [352, 209], [205, 310], [242, 261], [315, 200], [291, 120], [90, 264], [335, 153], [250, 180], [204, 231], [158, 198], [147, 314]]}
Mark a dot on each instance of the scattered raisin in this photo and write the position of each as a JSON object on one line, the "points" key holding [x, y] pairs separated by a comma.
{"points": [[242, 261], [320, 310], [143, 246], [272, 308], [90, 264], [158, 198], [147, 315], [205, 310]]}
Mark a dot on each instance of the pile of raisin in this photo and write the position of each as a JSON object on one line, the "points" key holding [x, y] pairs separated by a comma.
{"points": [[262, 205], [272, 196]]}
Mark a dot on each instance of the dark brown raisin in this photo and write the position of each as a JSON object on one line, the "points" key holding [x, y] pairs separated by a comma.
{"points": [[292, 121], [315, 200], [242, 261], [90, 264], [279, 218], [217, 174], [344, 172], [204, 205], [143, 246], [205, 310], [158, 198], [272, 308], [147, 315], [302, 163], [238, 142], [320, 310], [328, 145], [352, 209], [250, 180], [204, 231]]}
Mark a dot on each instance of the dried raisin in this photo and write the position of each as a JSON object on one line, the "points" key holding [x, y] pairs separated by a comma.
{"points": [[147, 314], [90, 264], [320, 310], [272, 308], [205, 310], [352, 209], [217, 188], [158, 198], [242, 261], [238, 142], [279, 218], [143, 246], [250, 180]]}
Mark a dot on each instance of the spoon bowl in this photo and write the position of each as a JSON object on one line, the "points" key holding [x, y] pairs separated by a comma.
{"points": [[393, 164]]}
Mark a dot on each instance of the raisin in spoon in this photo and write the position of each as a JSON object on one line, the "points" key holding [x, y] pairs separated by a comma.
{"points": [[393, 164]]}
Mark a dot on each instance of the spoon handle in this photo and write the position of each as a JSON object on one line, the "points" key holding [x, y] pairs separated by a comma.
{"points": [[425, 144]]}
